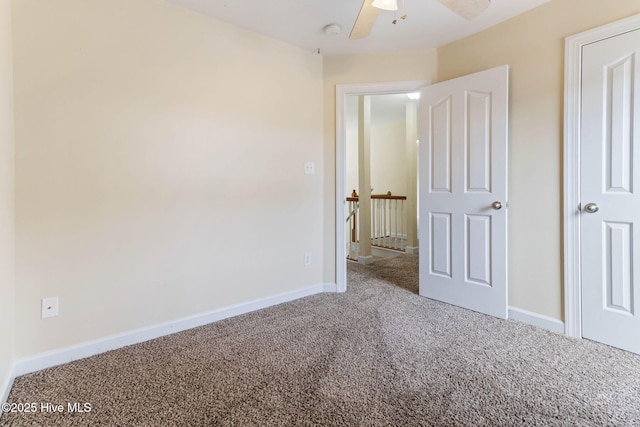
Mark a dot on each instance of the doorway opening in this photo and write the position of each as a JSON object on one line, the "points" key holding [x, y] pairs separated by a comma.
{"points": [[381, 156], [386, 99]]}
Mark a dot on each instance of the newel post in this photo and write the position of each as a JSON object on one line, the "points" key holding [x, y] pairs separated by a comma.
{"points": [[364, 178], [411, 211]]}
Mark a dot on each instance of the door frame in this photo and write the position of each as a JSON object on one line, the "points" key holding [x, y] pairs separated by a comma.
{"points": [[572, 138], [342, 91]]}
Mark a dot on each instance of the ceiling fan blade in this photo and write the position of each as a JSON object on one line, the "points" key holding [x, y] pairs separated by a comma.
{"points": [[468, 9], [365, 20]]}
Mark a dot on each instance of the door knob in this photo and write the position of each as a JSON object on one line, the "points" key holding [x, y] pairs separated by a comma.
{"points": [[591, 208], [496, 205]]}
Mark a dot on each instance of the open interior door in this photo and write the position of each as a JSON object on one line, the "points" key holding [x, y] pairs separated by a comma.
{"points": [[463, 191]]}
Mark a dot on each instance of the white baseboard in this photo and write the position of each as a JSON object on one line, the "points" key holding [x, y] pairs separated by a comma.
{"points": [[365, 259], [412, 250], [379, 252], [91, 348], [5, 387], [329, 287], [539, 320]]}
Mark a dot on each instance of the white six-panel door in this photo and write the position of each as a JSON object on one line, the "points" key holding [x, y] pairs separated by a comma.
{"points": [[610, 191], [463, 191]]}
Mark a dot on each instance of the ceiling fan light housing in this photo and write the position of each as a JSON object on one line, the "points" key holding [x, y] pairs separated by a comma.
{"points": [[385, 4], [332, 29]]}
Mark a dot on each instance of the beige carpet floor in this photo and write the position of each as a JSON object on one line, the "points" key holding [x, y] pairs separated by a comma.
{"points": [[377, 355]]}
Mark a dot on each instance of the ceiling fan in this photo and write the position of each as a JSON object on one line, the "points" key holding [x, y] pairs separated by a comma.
{"points": [[468, 9]]}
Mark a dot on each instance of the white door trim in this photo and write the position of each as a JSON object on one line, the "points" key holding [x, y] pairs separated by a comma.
{"points": [[342, 91], [572, 96]]}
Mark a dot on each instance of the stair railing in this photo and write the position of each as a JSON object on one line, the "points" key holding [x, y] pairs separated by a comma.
{"points": [[388, 228]]}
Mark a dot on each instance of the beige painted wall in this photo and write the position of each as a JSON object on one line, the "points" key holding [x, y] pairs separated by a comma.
{"points": [[389, 158], [159, 167], [351, 69], [7, 227], [533, 45], [387, 145]]}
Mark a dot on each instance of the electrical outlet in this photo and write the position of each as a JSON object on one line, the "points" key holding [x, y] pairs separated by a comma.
{"points": [[307, 259], [309, 168], [50, 307]]}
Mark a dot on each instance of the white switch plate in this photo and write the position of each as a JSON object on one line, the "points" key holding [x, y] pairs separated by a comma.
{"points": [[50, 307], [309, 168], [307, 259]]}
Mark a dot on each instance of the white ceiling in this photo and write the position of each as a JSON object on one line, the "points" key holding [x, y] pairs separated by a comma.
{"points": [[301, 22]]}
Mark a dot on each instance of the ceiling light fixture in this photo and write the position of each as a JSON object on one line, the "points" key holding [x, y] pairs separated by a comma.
{"points": [[385, 4], [332, 29]]}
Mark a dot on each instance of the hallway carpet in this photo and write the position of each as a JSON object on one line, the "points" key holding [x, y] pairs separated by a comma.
{"points": [[377, 355]]}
